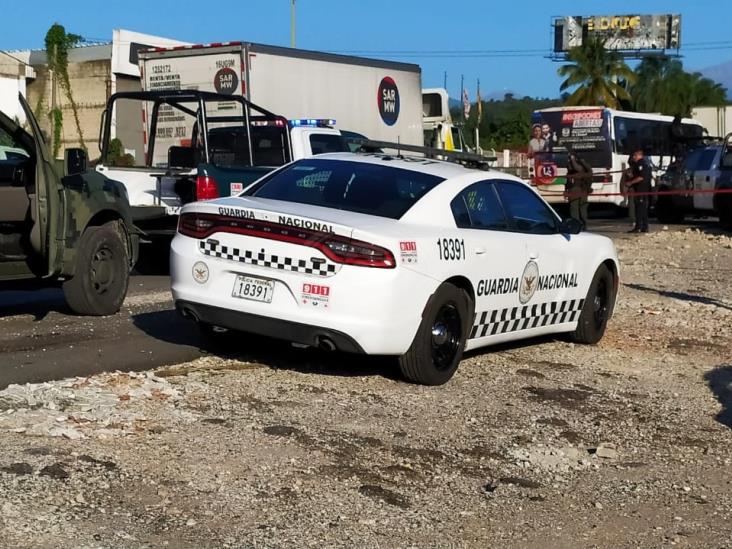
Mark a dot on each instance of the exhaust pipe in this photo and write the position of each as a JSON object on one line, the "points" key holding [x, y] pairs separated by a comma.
{"points": [[188, 313], [326, 344]]}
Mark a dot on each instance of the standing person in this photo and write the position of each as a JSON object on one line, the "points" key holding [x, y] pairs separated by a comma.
{"points": [[578, 187], [640, 183], [627, 176]]}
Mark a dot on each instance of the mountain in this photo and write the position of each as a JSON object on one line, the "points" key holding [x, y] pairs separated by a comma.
{"points": [[721, 73]]}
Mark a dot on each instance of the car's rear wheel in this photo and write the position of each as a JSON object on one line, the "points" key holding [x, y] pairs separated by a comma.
{"points": [[597, 308], [102, 272], [438, 346]]}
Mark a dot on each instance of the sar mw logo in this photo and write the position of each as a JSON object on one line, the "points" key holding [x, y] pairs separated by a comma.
{"points": [[529, 282]]}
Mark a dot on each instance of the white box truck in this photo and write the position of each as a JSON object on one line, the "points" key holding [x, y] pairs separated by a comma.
{"points": [[374, 98]]}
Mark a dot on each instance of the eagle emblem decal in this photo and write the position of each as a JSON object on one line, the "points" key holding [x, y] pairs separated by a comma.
{"points": [[528, 284]]}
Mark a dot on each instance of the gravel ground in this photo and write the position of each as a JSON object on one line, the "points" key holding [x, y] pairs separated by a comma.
{"points": [[544, 444]]}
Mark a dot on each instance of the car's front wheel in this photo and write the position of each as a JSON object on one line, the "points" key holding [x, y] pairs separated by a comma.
{"points": [[436, 350], [102, 272], [597, 308]]}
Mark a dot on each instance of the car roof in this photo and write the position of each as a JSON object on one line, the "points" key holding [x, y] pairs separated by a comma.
{"points": [[445, 170]]}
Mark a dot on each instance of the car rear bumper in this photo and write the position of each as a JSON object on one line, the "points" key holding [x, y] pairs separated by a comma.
{"points": [[303, 334], [377, 310]]}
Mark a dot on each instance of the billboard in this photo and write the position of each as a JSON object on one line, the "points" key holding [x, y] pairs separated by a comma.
{"points": [[620, 32]]}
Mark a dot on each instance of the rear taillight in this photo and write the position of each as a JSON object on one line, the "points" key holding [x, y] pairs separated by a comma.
{"points": [[206, 188], [357, 252], [195, 225], [339, 249]]}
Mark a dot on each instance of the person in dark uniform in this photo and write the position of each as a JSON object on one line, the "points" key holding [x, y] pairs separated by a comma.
{"points": [[578, 187], [640, 183]]}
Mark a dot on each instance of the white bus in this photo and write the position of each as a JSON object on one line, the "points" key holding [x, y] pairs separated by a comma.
{"points": [[604, 138]]}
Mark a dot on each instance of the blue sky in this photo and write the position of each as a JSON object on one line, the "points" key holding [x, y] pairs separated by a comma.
{"points": [[361, 25]]}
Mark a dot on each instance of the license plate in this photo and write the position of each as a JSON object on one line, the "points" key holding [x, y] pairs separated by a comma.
{"points": [[256, 289]]}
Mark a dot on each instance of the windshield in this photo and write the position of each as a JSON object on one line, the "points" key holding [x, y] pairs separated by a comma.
{"points": [[352, 186]]}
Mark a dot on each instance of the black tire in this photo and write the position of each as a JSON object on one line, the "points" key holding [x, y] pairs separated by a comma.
{"points": [[667, 211], [724, 209], [433, 357], [102, 272], [597, 308]]}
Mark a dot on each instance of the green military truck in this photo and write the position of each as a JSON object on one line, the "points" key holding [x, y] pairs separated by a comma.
{"points": [[73, 228]]}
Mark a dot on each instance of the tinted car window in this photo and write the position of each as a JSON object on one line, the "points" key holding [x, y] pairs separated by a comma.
{"points": [[229, 146], [327, 143], [352, 186], [526, 211], [478, 207], [727, 159]]}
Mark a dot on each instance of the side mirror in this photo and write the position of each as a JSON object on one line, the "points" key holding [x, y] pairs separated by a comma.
{"points": [[571, 226], [75, 161]]}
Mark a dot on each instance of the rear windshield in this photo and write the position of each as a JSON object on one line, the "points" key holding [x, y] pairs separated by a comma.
{"points": [[321, 143], [352, 186]]}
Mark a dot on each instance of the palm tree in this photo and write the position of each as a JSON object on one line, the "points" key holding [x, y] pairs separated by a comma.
{"points": [[595, 73], [662, 85]]}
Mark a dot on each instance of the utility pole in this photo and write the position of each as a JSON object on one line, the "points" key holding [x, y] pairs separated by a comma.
{"points": [[444, 84], [292, 23], [462, 92]]}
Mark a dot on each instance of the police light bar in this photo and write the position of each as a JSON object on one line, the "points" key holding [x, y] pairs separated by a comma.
{"points": [[313, 122]]}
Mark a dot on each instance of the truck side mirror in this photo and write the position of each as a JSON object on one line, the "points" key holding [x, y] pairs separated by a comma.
{"points": [[75, 161]]}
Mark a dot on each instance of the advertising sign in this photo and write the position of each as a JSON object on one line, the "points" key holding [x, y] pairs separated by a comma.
{"points": [[620, 32], [585, 132]]}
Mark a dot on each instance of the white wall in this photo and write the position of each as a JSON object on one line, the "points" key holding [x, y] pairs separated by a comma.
{"points": [[717, 120], [9, 89]]}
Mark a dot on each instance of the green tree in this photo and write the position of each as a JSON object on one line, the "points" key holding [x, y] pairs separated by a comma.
{"points": [[506, 123], [594, 75], [58, 43], [662, 85]]}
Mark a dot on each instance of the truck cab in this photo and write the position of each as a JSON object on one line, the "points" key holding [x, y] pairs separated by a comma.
{"points": [[437, 124], [71, 226], [196, 145]]}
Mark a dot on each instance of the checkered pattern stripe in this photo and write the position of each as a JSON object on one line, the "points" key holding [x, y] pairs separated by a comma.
{"points": [[214, 249], [503, 321]]}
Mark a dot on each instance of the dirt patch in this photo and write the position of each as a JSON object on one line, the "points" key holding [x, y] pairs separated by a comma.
{"points": [[380, 493]]}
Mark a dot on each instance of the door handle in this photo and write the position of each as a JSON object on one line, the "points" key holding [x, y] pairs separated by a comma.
{"points": [[479, 251]]}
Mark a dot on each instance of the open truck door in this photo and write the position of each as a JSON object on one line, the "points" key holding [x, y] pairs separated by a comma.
{"points": [[28, 200]]}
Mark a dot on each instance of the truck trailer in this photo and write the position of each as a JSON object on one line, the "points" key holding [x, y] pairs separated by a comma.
{"points": [[376, 98]]}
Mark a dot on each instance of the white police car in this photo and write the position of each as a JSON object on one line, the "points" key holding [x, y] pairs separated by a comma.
{"points": [[390, 256]]}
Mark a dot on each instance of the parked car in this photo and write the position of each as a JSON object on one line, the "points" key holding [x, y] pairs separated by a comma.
{"points": [[74, 228], [412, 257], [702, 171]]}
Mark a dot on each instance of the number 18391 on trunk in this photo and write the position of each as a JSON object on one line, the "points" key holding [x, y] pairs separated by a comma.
{"points": [[255, 289]]}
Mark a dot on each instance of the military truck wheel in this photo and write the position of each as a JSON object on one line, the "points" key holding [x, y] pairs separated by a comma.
{"points": [[724, 208], [667, 211], [102, 272]]}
